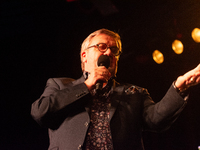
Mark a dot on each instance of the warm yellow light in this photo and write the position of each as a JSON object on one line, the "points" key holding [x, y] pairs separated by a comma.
{"points": [[196, 35], [158, 57], [177, 46]]}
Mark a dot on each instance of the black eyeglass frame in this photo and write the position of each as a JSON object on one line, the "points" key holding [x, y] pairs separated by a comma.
{"points": [[103, 51]]}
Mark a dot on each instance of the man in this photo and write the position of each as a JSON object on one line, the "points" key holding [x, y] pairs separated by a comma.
{"points": [[81, 117]]}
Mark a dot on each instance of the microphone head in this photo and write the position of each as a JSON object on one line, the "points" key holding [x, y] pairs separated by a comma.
{"points": [[104, 60]]}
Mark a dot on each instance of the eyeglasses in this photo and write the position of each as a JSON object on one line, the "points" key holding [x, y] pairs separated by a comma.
{"points": [[102, 47]]}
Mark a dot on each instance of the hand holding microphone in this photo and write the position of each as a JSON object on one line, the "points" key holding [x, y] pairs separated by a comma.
{"points": [[99, 74]]}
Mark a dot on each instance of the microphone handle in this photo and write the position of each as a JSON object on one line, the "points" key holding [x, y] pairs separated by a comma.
{"points": [[99, 86]]}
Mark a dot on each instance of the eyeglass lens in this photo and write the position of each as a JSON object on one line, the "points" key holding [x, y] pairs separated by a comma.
{"points": [[103, 47]]}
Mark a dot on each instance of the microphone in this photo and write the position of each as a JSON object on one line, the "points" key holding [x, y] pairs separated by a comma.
{"points": [[103, 60]]}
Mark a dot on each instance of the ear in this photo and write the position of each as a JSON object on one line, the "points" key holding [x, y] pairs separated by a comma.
{"points": [[83, 55]]}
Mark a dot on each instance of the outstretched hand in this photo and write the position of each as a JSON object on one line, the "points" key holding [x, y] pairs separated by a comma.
{"points": [[189, 79]]}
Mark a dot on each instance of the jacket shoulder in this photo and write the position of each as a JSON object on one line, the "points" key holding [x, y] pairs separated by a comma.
{"points": [[60, 82], [64, 81]]}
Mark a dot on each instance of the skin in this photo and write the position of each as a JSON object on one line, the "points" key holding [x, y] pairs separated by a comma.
{"points": [[90, 58], [189, 79]]}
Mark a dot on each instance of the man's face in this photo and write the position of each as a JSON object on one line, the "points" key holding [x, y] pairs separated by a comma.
{"points": [[91, 55]]}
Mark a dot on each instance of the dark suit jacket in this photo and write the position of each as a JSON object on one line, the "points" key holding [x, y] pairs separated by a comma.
{"points": [[64, 107]]}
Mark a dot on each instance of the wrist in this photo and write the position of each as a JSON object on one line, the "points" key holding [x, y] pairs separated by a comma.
{"points": [[179, 89], [89, 85]]}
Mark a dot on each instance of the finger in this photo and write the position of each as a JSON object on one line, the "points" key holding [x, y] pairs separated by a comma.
{"points": [[198, 80], [192, 80], [105, 75]]}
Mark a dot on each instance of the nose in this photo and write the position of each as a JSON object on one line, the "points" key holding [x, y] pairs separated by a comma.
{"points": [[108, 52]]}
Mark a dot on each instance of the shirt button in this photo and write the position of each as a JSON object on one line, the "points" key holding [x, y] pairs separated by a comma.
{"points": [[80, 147], [86, 124]]}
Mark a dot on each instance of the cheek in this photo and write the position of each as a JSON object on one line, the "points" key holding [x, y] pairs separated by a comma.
{"points": [[113, 67], [113, 62], [92, 59]]}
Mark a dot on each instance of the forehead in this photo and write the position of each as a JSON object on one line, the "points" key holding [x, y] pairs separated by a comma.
{"points": [[103, 38]]}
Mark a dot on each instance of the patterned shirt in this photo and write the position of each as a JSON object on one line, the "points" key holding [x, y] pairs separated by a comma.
{"points": [[99, 133]]}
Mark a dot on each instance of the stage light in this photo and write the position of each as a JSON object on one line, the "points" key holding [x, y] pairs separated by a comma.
{"points": [[177, 46], [196, 35], [158, 57]]}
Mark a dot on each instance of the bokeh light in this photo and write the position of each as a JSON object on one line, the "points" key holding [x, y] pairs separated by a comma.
{"points": [[177, 46], [158, 57], [196, 35]]}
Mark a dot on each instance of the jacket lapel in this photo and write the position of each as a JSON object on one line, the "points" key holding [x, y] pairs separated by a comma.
{"points": [[78, 81], [115, 99]]}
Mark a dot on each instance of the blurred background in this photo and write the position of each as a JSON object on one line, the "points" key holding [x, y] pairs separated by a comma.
{"points": [[41, 39]]}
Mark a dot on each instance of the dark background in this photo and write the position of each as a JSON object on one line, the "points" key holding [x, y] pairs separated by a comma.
{"points": [[41, 39]]}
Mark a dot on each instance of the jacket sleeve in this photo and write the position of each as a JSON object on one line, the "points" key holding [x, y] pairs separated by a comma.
{"points": [[160, 116], [57, 104]]}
